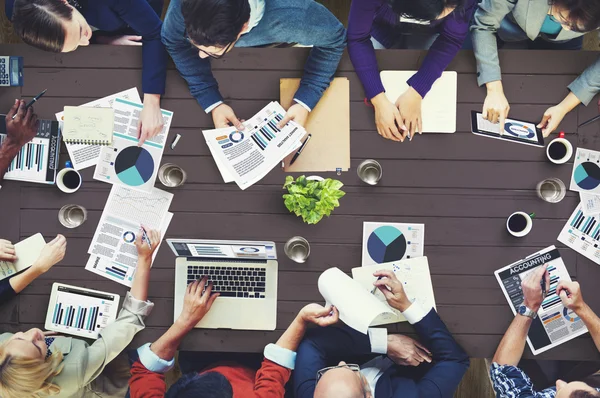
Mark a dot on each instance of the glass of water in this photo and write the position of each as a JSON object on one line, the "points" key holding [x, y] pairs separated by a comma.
{"points": [[370, 171], [72, 216], [551, 190], [297, 249]]}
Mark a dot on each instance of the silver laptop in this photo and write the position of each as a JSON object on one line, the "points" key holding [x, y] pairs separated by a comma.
{"points": [[243, 272]]}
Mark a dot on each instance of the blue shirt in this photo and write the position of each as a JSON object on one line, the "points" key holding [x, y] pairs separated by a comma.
{"points": [[550, 26]]}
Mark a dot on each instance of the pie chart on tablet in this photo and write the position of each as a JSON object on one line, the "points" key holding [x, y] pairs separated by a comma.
{"points": [[134, 166], [386, 244], [587, 175]]}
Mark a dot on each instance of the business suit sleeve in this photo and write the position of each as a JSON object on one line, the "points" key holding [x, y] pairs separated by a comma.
{"points": [[320, 347], [6, 290], [450, 362], [587, 85], [488, 17]]}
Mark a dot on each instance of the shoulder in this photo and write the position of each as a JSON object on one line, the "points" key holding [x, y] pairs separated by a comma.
{"points": [[5, 336]]}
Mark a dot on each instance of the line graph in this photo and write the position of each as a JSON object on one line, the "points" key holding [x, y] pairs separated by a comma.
{"points": [[147, 208]]}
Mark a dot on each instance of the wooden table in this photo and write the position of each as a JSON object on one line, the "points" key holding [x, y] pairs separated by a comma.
{"points": [[460, 185]]}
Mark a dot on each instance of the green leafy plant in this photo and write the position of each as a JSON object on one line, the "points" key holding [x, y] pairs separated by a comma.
{"points": [[312, 199]]}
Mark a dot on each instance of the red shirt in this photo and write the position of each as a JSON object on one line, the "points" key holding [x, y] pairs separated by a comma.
{"points": [[268, 382]]}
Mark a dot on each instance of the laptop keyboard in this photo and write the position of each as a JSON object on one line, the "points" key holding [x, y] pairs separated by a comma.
{"points": [[242, 282]]}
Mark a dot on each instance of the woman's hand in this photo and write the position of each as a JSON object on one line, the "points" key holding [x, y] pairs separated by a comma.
{"points": [[388, 119], [552, 118], [7, 251], [145, 249], [151, 121], [495, 106], [51, 254], [319, 315], [124, 40], [409, 106]]}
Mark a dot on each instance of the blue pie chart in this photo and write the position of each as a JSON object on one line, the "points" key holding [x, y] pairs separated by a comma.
{"points": [[587, 175], [134, 166], [386, 244], [519, 130]]}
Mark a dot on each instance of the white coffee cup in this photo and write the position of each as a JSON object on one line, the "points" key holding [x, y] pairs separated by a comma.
{"points": [[60, 180], [520, 225], [560, 141]]}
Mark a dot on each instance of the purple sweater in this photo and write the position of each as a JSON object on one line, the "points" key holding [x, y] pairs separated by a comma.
{"points": [[376, 17]]}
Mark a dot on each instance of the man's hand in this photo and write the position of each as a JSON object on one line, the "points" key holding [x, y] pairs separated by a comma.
{"points": [[495, 106], [223, 116], [151, 120], [409, 105], [532, 288], [551, 119], [297, 113], [319, 315], [145, 251], [388, 119], [570, 294], [405, 351], [392, 289], [123, 40], [23, 127], [51, 254], [7, 251], [196, 302]]}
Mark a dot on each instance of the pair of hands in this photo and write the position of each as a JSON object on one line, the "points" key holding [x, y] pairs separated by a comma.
{"points": [[23, 127], [396, 121], [224, 116], [52, 253], [569, 292]]}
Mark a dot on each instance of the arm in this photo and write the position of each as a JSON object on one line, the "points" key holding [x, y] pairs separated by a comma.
{"points": [[19, 131], [570, 294], [587, 85]]}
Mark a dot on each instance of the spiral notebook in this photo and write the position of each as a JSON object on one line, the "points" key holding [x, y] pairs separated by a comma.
{"points": [[88, 125]]}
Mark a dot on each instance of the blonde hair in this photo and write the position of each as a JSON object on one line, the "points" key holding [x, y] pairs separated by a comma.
{"points": [[32, 378]]}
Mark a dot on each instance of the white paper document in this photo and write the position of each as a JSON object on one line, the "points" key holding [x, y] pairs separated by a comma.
{"points": [[555, 324], [247, 156], [82, 155], [416, 281], [387, 242], [125, 163], [582, 234], [27, 251], [358, 308], [586, 172], [590, 204]]}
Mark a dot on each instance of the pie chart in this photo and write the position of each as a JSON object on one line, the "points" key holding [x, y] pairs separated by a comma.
{"points": [[587, 175], [519, 130], [134, 166], [386, 244]]}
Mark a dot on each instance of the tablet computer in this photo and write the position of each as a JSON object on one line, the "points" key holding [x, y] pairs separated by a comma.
{"points": [[80, 311], [514, 130]]}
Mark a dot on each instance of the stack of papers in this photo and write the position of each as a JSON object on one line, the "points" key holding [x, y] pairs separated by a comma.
{"points": [[247, 156]]}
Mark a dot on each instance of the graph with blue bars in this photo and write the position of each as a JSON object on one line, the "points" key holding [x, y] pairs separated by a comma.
{"points": [[582, 234], [267, 131], [77, 317], [551, 297], [589, 225]]}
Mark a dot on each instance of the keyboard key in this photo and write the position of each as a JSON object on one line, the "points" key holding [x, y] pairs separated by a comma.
{"points": [[260, 284], [259, 289], [227, 294]]}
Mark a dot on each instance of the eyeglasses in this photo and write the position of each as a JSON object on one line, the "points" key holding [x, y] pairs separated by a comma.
{"points": [[213, 56]]}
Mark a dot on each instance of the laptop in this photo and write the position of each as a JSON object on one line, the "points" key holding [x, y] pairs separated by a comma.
{"points": [[243, 272]]}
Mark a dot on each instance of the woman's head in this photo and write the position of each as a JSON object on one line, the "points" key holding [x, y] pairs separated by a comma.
{"points": [[425, 10], [24, 368], [50, 25], [576, 15]]}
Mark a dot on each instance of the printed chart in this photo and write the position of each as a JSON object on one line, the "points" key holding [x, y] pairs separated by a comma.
{"points": [[387, 242], [582, 234], [586, 172], [134, 166]]}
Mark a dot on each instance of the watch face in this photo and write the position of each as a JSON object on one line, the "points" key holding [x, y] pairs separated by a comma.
{"points": [[522, 309]]}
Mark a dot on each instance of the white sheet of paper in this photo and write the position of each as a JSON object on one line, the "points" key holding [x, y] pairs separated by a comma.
{"points": [[27, 251], [590, 204], [586, 172], [438, 109], [582, 234], [358, 308], [387, 242]]}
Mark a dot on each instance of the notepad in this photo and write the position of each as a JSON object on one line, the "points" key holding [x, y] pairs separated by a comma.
{"points": [[88, 125], [27, 252]]}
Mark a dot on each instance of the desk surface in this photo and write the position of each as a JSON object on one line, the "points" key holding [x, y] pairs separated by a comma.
{"points": [[460, 185]]}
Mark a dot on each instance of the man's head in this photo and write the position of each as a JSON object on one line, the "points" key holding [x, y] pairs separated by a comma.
{"points": [[425, 10], [213, 26], [342, 381], [575, 389], [206, 385], [576, 15]]}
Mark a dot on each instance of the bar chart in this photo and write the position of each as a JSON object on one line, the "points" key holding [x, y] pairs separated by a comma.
{"points": [[582, 234]]}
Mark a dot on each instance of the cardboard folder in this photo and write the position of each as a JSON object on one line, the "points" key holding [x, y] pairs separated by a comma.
{"points": [[329, 124]]}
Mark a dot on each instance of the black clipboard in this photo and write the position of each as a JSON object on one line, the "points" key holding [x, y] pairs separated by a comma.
{"points": [[514, 131]]}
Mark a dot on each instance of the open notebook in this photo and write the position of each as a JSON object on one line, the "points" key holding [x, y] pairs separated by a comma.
{"points": [[27, 251], [88, 125]]}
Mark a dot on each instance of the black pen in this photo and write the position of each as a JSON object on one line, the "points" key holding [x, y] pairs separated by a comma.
{"points": [[33, 101], [300, 149], [592, 120]]}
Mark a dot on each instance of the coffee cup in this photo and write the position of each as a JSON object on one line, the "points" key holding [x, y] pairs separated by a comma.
{"points": [[519, 223], [68, 180], [559, 150]]}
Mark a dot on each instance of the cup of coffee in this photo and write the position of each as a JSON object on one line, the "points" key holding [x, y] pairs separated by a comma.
{"points": [[559, 150], [519, 223], [72, 216], [171, 175], [68, 180]]}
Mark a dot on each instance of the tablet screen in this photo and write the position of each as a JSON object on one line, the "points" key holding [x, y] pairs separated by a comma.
{"points": [[514, 130]]}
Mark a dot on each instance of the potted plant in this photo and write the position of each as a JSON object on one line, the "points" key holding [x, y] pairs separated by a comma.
{"points": [[313, 197]]}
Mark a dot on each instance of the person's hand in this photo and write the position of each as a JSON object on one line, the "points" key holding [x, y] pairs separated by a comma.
{"points": [[532, 289], [196, 302], [319, 315], [406, 351], [297, 113], [388, 119], [7, 251], [143, 249], [123, 40], [495, 106], [23, 127], [151, 120], [51, 254], [551, 119], [409, 105], [223, 116], [570, 294], [392, 289]]}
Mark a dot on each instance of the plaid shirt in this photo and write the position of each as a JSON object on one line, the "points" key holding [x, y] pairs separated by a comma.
{"points": [[512, 382]]}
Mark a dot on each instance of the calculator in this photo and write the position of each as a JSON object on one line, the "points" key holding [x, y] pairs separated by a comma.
{"points": [[11, 71]]}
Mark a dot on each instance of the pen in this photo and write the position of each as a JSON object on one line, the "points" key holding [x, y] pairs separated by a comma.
{"points": [[146, 237], [543, 285], [592, 120], [375, 287], [34, 100], [300, 149], [175, 141]]}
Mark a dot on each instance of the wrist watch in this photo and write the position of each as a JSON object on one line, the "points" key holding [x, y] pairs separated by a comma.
{"points": [[525, 311]]}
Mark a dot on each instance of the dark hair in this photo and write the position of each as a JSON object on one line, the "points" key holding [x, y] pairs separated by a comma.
{"points": [[584, 394], [206, 385], [214, 22], [38, 23], [424, 10], [584, 15]]}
